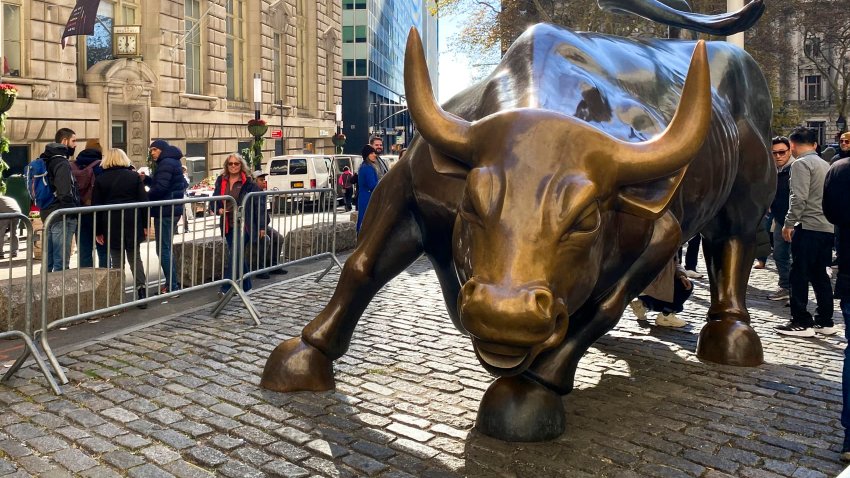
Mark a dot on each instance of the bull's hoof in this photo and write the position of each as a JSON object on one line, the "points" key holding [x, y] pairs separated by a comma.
{"points": [[730, 342], [297, 366], [519, 409]]}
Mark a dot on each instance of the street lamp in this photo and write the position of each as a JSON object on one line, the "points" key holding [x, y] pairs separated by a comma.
{"points": [[841, 123], [258, 95], [339, 138]]}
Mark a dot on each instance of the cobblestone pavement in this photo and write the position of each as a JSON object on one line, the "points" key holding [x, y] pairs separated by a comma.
{"points": [[181, 399]]}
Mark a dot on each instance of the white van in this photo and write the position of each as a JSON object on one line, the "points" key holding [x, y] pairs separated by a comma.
{"points": [[300, 171]]}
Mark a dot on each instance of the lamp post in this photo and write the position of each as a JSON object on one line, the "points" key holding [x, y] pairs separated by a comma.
{"points": [[258, 95], [338, 139], [841, 123], [257, 127]]}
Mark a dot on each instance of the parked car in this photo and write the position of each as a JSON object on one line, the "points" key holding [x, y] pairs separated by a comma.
{"points": [[300, 171]]}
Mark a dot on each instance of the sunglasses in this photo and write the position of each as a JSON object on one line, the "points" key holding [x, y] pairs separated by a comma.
{"points": [[845, 141], [779, 153], [234, 164]]}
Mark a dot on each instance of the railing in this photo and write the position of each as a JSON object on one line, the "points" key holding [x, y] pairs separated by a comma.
{"points": [[17, 330]]}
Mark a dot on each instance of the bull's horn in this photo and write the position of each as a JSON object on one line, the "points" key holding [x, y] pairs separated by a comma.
{"points": [[676, 146], [446, 132], [672, 13]]}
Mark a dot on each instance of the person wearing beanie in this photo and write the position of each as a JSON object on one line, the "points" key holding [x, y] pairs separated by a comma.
{"points": [[167, 183], [367, 180], [843, 147], [86, 169]]}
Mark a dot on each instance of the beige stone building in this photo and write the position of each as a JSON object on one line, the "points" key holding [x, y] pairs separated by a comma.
{"points": [[181, 70]]}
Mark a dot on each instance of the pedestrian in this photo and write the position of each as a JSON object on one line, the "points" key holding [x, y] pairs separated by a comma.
{"points": [[378, 143], [85, 169], [811, 238], [347, 186], [843, 147], [60, 233], [9, 205], [691, 257], [123, 230], [836, 208], [763, 247], [369, 174], [235, 181], [782, 159], [167, 183], [268, 254], [666, 295]]}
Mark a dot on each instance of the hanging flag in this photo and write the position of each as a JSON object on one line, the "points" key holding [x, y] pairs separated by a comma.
{"points": [[82, 19]]}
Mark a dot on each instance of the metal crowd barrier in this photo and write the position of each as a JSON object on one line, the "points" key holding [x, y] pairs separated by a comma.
{"points": [[124, 221], [281, 215], [11, 330]]}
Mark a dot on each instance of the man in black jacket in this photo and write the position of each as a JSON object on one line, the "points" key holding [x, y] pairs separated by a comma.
{"points": [[843, 147], [167, 183], [836, 208], [59, 234], [781, 151]]}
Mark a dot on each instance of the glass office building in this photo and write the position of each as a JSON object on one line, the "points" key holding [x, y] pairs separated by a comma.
{"points": [[374, 34]]}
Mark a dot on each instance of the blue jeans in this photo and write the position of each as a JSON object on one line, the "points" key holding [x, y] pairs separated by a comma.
{"points": [[86, 242], [228, 273], [164, 228], [845, 376], [59, 237], [782, 256]]}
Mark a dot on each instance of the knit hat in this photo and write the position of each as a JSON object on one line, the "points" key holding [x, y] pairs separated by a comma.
{"points": [[367, 150], [160, 144], [845, 135], [93, 143]]}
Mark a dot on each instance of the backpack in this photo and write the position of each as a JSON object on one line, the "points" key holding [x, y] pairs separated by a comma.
{"points": [[84, 177], [38, 184]]}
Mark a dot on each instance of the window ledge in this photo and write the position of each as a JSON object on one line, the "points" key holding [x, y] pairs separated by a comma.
{"points": [[191, 96], [20, 80]]}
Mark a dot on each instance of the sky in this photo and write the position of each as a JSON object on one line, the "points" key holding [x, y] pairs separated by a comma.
{"points": [[455, 69]]}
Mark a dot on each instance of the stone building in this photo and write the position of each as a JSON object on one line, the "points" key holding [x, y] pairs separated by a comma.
{"points": [[181, 70]]}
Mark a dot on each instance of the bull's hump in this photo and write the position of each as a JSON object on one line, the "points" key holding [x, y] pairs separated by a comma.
{"points": [[629, 88]]}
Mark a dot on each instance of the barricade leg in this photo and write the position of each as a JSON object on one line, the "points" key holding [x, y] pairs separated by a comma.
{"points": [[334, 261], [235, 289], [52, 358], [31, 350]]}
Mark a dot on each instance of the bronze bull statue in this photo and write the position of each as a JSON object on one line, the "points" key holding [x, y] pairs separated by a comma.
{"points": [[550, 195]]}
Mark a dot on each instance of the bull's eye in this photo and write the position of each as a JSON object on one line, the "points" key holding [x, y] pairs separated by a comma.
{"points": [[468, 213], [586, 223]]}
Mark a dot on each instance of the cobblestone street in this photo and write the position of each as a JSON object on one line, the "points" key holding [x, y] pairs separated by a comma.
{"points": [[181, 398]]}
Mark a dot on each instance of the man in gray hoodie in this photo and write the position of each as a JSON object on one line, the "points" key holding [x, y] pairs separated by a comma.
{"points": [[811, 238]]}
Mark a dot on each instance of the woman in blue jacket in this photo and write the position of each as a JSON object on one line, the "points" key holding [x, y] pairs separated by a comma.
{"points": [[367, 179]]}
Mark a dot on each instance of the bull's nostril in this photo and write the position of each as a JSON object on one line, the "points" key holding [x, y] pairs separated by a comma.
{"points": [[543, 298]]}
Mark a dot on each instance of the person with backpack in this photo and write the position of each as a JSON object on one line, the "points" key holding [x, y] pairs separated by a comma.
{"points": [[52, 187], [347, 186], [85, 169], [167, 183]]}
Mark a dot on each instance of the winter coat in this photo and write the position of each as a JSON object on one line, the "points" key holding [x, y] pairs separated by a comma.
{"points": [[88, 156], [779, 206], [836, 208], [61, 179], [367, 181], [120, 185], [168, 183], [840, 155], [256, 214]]}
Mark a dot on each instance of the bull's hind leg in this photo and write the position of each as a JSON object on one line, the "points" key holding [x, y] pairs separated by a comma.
{"points": [[389, 242], [528, 407], [729, 243]]}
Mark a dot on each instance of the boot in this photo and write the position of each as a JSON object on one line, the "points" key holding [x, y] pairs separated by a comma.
{"points": [[141, 293]]}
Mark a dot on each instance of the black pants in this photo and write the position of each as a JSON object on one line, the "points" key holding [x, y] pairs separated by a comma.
{"points": [[811, 253], [680, 295], [349, 193], [692, 255]]}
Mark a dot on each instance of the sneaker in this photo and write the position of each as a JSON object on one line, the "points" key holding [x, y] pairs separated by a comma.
{"points": [[795, 329], [141, 294], [669, 320], [693, 274], [780, 294], [264, 275], [825, 329], [639, 309], [278, 272], [759, 265]]}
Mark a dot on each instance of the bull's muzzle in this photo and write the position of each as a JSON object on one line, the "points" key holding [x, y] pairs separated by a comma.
{"points": [[511, 325]]}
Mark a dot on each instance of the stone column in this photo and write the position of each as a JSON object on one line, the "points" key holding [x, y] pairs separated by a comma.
{"points": [[738, 38]]}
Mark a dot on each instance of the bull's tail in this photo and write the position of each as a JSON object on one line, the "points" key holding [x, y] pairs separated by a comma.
{"points": [[663, 11]]}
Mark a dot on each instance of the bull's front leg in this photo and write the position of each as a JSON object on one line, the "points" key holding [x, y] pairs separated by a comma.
{"points": [[389, 242], [728, 338], [528, 407]]}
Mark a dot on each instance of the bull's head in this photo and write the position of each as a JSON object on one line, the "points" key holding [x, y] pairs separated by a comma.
{"points": [[542, 191]]}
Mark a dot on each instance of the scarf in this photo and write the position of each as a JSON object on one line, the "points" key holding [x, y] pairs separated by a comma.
{"points": [[227, 191]]}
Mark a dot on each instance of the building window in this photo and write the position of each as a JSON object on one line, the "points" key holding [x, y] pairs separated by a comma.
{"points": [[235, 44], [11, 40], [812, 47], [820, 126], [812, 88], [99, 44], [279, 68], [194, 67]]}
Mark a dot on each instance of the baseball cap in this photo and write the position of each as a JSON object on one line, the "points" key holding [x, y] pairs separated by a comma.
{"points": [[259, 174]]}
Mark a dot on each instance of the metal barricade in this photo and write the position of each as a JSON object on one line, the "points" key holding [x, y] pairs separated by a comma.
{"points": [[118, 228], [277, 233], [23, 292]]}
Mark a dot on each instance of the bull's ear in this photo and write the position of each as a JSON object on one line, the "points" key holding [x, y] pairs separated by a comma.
{"points": [[447, 165], [649, 200]]}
